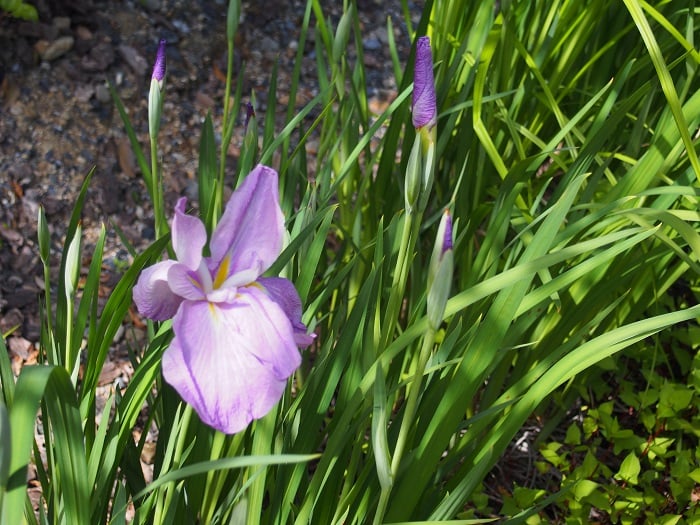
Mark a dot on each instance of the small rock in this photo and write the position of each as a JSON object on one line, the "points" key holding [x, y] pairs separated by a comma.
{"points": [[127, 161], [100, 58], [55, 49], [151, 5], [370, 60], [132, 57], [23, 296], [102, 93], [83, 33], [61, 23], [181, 26], [203, 101], [268, 44], [84, 92], [10, 320], [20, 347], [371, 44]]}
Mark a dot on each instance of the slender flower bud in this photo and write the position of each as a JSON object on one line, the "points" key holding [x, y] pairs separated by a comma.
{"points": [[42, 233], [249, 113], [249, 151], [155, 99], [233, 16], [420, 170], [440, 272], [159, 66], [72, 268], [424, 102]]}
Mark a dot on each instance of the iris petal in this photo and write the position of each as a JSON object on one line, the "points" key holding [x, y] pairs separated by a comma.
{"points": [[189, 236], [251, 229], [188, 284], [231, 361], [152, 294], [282, 291]]}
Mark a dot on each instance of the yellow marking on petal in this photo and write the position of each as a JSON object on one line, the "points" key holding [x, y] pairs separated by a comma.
{"points": [[222, 272], [194, 281], [212, 309]]}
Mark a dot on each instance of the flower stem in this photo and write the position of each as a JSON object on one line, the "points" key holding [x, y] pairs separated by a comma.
{"points": [[407, 421], [173, 461], [219, 196], [412, 402], [398, 283], [157, 188], [213, 484]]}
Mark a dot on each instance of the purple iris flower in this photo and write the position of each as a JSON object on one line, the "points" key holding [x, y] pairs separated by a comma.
{"points": [[424, 102], [236, 333]]}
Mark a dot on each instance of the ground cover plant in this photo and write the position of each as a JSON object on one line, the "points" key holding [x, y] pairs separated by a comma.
{"points": [[514, 239]]}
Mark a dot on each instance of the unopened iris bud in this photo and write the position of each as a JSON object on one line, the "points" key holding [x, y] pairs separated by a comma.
{"points": [[155, 99], [249, 151], [233, 15], [424, 104], [72, 267], [159, 66], [249, 114], [440, 272], [421, 164], [42, 232]]}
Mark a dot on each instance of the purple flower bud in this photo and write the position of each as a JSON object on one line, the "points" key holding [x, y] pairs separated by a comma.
{"points": [[424, 102], [447, 240], [249, 113], [159, 66], [440, 272]]}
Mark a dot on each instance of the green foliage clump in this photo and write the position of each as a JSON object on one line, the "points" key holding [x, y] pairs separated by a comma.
{"points": [[19, 9], [631, 455]]}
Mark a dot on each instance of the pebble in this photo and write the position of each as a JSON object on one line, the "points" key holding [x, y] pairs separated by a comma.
{"points": [[20, 347], [102, 93], [268, 44], [181, 26], [83, 33], [49, 51], [371, 44], [133, 58], [100, 58], [22, 297], [11, 319], [61, 23], [151, 5], [84, 92]]}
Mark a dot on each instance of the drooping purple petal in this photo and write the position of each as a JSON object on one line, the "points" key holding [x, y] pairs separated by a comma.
{"points": [[251, 229], [231, 361], [188, 235], [159, 65], [282, 291], [152, 294], [424, 105]]}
